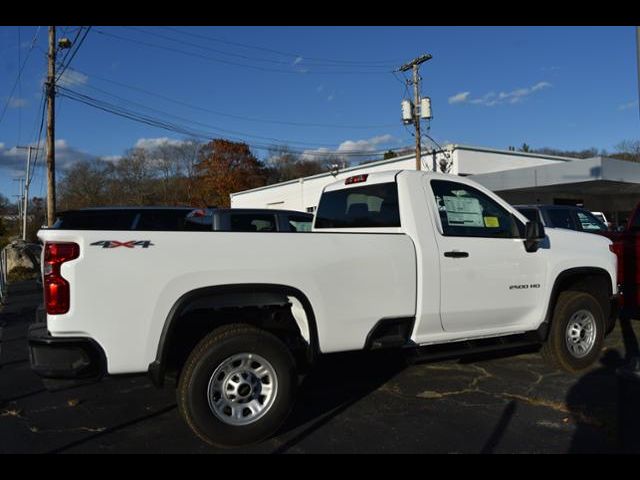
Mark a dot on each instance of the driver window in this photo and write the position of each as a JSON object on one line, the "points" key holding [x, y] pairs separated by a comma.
{"points": [[467, 212]]}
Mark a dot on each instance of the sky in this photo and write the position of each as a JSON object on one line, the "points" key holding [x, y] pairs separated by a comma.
{"points": [[318, 88]]}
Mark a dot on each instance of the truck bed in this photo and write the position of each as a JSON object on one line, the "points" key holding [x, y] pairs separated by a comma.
{"points": [[352, 280]]}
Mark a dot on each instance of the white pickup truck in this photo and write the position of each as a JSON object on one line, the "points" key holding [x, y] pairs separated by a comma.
{"points": [[396, 259]]}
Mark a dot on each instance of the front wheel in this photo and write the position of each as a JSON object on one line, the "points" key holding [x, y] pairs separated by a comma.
{"points": [[237, 386], [577, 332]]}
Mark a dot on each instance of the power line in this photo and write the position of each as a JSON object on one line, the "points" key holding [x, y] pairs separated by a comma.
{"points": [[210, 127], [21, 68], [229, 62], [73, 42], [181, 129], [35, 162], [279, 52], [259, 59], [229, 115], [64, 68]]}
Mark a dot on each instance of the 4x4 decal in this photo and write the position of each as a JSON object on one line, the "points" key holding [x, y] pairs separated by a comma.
{"points": [[129, 244]]}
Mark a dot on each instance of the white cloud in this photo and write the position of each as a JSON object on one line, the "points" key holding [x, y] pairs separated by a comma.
{"points": [[13, 159], [153, 143], [70, 78], [629, 105], [15, 102], [492, 98], [297, 60], [350, 146], [459, 97]]}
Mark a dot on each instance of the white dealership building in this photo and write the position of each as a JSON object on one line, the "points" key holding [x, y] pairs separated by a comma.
{"points": [[599, 184]]}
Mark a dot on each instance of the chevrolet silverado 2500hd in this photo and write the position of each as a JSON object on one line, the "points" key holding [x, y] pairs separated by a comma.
{"points": [[396, 259]]}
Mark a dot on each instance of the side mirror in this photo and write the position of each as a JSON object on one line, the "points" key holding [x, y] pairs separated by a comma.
{"points": [[533, 236]]}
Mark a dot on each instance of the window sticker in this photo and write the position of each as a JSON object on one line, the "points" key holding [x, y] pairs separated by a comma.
{"points": [[491, 222], [463, 211]]}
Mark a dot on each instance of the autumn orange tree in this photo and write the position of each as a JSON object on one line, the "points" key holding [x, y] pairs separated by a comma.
{"points": [[225, 167]]}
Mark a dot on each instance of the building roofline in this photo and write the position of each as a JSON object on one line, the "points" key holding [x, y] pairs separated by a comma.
{"points": [[457, 146], [451, 147], [327, 174]]}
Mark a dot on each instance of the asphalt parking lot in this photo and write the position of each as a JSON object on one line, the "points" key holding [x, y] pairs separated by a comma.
{"points": [[500, 403]]}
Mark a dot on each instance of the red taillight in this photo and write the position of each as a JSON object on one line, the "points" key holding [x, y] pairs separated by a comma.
{"points": [[56, 288], [356, 179]]}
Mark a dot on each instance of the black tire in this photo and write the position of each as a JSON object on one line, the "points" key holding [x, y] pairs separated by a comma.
{"points": [[212, 351], [555, 350]]}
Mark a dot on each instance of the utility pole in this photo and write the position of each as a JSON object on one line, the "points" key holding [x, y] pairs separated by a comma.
{"points": [[51, 155], [415, 111], [21, 195], [25, 203]]}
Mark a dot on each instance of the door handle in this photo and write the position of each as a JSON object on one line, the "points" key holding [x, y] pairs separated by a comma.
{"points": [[456, 254]]}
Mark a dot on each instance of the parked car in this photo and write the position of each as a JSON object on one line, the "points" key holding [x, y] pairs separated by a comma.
{"points": [[397, 259], [626, 245], [249, 220], [564, 216], [183, 218]]}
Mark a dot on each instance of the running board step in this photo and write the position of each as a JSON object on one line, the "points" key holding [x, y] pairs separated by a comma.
{"points": [[470, 347]]}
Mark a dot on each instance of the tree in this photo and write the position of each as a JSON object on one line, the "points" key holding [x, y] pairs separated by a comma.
{"points": [[226, 167], [389, 154], [85, 184], [284, 164], [628, 150], [37, 218]]}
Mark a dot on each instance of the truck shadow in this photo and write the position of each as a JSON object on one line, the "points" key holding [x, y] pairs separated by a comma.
{"points": [[604, 402], [337, 382]]}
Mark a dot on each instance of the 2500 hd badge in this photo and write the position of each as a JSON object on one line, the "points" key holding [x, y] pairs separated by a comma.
{"points": [[524, 286]]}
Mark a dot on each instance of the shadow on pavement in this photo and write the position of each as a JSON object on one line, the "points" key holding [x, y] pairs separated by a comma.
{"points": [[337, 382], [501, 428], [605, 403]]}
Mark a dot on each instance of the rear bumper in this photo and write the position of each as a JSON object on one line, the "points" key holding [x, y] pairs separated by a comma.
{"points": [[66, 358]]}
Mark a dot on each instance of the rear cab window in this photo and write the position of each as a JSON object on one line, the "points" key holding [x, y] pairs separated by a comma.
{"points": [[365, 206]]}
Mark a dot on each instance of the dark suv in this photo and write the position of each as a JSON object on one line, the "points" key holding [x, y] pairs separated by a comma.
{"points": [[563, 216], [184, 218]]}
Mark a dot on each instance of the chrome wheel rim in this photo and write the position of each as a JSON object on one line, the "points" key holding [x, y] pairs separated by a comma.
{"points": [[581, 333], [242, 389]]}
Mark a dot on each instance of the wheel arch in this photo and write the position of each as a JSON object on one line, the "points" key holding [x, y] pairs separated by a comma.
{"points": [[230, 296], [587, 279]]}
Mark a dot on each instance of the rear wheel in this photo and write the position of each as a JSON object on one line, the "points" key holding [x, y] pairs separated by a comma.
{"points": [[237, 386], [577, 332]]}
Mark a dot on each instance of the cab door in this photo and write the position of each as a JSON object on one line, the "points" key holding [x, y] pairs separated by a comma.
{"points": [[488, 280]]}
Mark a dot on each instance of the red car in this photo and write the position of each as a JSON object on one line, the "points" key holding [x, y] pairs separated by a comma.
{"points": [[626, 244]]}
